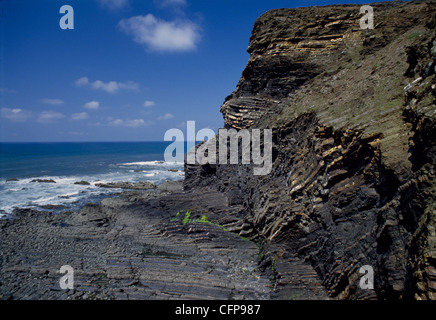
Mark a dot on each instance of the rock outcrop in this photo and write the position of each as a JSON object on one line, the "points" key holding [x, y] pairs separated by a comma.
{"points": [[353, 117], [142, 185], [136, 250]]}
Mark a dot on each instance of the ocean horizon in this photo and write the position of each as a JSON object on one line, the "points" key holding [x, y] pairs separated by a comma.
{"points": [[22, 164]]}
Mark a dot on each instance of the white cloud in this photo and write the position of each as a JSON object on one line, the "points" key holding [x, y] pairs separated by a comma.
{"points": [[110, 87], [49, 116], [82, 81], [7, 90], [53, 102], [166, 116], [113, 4], [80, 116], [20, 115], [116, 122], [129, 123], [15, 115], [161, 35], [135, 123], [129, 85], [94, 105], [149, 103]]}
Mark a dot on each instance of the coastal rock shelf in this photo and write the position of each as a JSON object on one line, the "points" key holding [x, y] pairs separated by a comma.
{"points": [[133, 250]]}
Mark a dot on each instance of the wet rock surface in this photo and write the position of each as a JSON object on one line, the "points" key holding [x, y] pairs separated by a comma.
{"points": [[137, 249], [142, 185], [43, 180], [82, 182]]}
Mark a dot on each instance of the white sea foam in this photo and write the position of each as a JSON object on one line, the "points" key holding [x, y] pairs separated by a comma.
{"points": [[27, 194], [152, 174], [152, 163]]}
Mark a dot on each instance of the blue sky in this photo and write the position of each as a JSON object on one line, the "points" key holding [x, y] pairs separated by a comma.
{"points": [[128, 71]]}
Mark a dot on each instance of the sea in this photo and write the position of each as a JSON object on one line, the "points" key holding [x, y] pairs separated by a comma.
{"points": [[68, 163]]}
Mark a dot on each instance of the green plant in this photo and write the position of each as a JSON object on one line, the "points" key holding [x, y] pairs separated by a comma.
{"points": [[296, 295], [261, 254], [244, 238], [187, 217], [202, 219], [176, 218], [273, 265], [414, 35]]}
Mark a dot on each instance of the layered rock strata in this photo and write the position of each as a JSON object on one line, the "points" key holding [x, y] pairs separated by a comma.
{"points": [[353, 118]]}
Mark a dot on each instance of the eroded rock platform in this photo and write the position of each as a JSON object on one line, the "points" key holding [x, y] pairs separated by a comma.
{"points": [[135, 247]]}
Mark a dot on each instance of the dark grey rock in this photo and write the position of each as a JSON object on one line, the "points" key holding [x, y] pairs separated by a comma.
{"points": [[43, 180], [144, 185], [129, 250], [171, 185], [85, 183]]}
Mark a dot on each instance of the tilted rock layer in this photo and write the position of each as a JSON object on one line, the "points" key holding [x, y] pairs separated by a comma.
{"points": [[354, 126]]}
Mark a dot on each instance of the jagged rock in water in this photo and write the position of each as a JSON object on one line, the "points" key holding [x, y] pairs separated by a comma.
{"points": [[43, 180], [142, 185], [82, 182]]}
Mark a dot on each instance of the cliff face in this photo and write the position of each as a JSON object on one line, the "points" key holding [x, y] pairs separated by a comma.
{"points": [[287, 48], [354, 125]]}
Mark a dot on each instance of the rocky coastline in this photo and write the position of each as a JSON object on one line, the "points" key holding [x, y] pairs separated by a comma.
{"points": [[142, 245], [353, 118], [353, 181]]}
